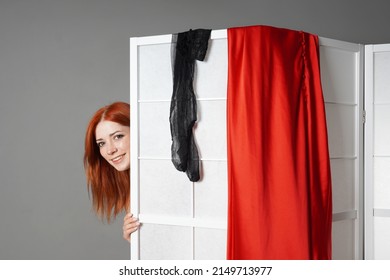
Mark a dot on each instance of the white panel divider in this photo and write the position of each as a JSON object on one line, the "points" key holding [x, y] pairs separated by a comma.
{"points": [[377, 131]]}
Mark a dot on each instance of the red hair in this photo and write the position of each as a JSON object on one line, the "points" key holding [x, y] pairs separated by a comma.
{"points": [[110, 188]]}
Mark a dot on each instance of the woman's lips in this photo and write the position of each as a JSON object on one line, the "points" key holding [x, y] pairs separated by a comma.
{"points": [[117, 159]]}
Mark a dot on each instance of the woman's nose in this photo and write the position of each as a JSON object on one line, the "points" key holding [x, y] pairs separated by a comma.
{"points": [[111, 149]]}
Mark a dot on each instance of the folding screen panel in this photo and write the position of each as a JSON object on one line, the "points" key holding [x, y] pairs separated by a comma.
{"points": [[185, 220], [180, 219], [377, 137], [342, 82]]}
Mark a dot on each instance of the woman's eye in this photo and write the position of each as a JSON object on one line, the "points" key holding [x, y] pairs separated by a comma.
{"points": [[118, 136], [100, 144]]}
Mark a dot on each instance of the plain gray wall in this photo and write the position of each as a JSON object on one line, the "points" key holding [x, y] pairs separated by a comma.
{"points": [[60, 60]]}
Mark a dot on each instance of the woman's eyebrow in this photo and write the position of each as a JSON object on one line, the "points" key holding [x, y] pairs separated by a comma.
{"points": [[111, 134], [115, 132]]}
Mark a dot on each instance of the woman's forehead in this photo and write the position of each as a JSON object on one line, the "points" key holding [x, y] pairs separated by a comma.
{"points": [[107, 128]]}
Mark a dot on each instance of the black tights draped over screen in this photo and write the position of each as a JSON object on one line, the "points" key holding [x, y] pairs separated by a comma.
{"points": [[186, 48]]}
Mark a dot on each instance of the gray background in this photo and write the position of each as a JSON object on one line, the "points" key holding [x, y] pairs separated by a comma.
{"points": [[60, 60]]}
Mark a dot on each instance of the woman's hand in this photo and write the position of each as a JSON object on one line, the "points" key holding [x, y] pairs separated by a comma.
{"points": [[130, 224]]}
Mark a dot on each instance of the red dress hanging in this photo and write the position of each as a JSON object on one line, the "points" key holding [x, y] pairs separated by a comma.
{"points": [[280, 200]]}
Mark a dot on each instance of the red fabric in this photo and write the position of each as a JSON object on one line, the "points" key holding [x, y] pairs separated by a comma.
{"points": [[280, 201]]}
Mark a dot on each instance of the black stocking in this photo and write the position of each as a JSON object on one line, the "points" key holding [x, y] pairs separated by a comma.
{"points": [[186, 48]]}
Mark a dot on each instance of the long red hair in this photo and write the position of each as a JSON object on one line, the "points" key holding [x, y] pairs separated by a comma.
{"points": [[110, 188]]}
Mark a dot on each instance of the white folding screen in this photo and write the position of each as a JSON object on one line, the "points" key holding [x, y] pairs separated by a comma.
{"points": [[377, 151], [184, 220]]}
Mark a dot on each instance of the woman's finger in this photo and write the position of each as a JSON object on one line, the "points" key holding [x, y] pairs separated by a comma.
{"points": [[130, 225]]}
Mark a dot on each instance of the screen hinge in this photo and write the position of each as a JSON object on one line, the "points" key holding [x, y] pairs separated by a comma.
{"points": [[364, 116]]}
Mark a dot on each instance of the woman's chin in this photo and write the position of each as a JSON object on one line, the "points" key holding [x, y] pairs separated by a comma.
{"points": [[121, 167]]}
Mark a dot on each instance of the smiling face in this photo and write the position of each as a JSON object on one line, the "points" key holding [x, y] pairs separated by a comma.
{"points": [[113, 140]]}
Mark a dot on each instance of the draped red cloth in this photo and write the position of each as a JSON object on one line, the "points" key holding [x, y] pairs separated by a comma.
{"points": [[280, 200]]}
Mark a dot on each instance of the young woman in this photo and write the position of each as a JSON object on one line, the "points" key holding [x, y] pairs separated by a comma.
{"points": [[107, 164]]}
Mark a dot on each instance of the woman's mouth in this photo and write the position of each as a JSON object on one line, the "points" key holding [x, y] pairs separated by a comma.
{"points": [[117, 159]]}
